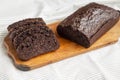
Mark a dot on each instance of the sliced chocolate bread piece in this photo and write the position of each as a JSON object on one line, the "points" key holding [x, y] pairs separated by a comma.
{"points": [[36, 41], [33, 41], [88, 24], [18, 27], [14, 33]]}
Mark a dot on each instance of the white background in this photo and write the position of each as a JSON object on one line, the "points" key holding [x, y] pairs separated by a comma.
{"points": [[100, 64]]}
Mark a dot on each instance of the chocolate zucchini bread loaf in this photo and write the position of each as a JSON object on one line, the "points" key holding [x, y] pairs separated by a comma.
{"points": [[31, 37], [88, 24]]}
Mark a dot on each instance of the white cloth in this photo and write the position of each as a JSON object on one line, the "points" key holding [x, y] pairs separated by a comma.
{"points": [[100, 64]]}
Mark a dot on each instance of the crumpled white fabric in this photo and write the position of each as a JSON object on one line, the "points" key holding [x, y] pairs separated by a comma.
{"points": [[100, 64]]}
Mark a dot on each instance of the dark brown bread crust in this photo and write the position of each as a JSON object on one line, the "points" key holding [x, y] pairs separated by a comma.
{"points": [[25, 22], [88, 24], [33, 39]]}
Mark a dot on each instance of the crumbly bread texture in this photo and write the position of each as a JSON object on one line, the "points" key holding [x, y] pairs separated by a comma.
{"points": [[31, 37], [88, 24]]}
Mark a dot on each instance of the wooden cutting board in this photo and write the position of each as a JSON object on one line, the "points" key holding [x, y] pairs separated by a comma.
{"points": [[67, 49]]}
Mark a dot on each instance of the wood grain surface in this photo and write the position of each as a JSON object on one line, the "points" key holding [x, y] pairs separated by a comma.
{"points": [[67, 49]]}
